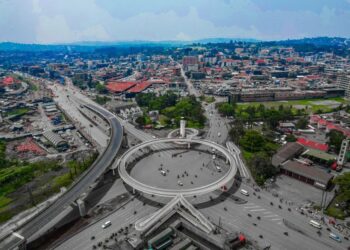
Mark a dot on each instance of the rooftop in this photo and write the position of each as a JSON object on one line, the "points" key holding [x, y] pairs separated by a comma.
{"points": [[312, 144], [286, 152], [139, 87], [319, 154], [118, 87], [307, 171]]}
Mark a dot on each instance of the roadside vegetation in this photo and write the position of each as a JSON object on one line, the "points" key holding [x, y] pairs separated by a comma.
{"points": [[24, 184], [257, 149], [171, 108], [102, 99], [340, 207], [17, 112], [207, 99]]}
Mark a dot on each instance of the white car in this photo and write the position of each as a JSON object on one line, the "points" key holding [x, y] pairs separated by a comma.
{"points": [[154, 137], [180, 183], [106, 224], [218, 168]]}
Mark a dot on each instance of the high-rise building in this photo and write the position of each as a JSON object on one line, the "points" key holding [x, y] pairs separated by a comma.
{"points": [[343, 82]]}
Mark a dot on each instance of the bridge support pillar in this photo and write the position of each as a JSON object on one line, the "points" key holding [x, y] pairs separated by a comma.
{"points": [[189, 145], [125, 143], [82, 208]]}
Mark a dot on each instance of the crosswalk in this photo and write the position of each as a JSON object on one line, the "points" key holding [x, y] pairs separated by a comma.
{"points": [[258, 210]]}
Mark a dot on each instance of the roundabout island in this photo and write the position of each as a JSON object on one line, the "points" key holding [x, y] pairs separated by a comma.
{"points": [[225, 175], [172, 176]]}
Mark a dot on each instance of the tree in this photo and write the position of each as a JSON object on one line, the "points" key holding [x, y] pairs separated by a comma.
{"points": [[226, 109], [291, 138], [335, 139], [302, 123], [252, 141], [261, 167], [237, 131], [343, 181], [100, 88]]}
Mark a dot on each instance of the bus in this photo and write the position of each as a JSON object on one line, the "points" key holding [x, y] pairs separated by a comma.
{"points": [[315, 224]]}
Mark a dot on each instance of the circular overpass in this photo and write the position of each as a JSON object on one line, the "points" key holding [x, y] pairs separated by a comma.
{"points": [[148, 189]]}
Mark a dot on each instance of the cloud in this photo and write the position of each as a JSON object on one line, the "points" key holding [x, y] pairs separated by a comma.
{"points": [[52, 21]]}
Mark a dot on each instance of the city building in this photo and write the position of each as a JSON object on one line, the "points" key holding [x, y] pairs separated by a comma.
{"points": [[343, 82]]}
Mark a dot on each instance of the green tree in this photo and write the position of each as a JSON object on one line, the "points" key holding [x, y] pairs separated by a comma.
{"points": [[291, 138], [252, 141], [237, 131], [226, 109], [343, 181], [101, 88], [302, 123], [261, 167], [335, 139]]}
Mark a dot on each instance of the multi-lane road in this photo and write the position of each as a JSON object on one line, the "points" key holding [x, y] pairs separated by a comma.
{"points": [[232, 216], [84, 182]]}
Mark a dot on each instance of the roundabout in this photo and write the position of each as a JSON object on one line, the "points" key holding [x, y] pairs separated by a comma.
{"points": [[171, 191]]}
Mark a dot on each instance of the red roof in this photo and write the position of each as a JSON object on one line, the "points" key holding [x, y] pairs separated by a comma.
{"points": [[30, 146], [312, 144], [139, 87], [118, 87], [8, 81], [260, 61]]}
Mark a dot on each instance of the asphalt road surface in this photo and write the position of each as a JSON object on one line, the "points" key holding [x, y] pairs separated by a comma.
{"points": [[82, 185]]}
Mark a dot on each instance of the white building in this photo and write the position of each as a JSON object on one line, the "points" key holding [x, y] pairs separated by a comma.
{"points": [[343, 82]]}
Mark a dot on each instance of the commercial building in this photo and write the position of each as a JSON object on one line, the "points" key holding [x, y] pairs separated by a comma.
{"points": [[343, 82], [56, 140], [308, 174]]}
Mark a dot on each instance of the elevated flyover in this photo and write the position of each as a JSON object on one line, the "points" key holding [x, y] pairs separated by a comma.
{"points": [[148, 189], [83, 184]]}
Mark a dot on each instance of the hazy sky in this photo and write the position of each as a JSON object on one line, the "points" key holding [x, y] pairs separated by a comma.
{"points": [[57, 21]]}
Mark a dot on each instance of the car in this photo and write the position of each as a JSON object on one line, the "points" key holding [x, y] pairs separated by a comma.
{"points": [[244, 192], [163, 172], [180, 183], [154, 137], [106, 224], [218, 168], [91, 125], [334, 237]]}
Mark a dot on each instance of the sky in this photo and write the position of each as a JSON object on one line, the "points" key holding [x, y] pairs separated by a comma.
{"points": [[64, 21]]}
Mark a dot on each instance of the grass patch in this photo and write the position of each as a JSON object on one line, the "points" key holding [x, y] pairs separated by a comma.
{"points": [[4, 201], [6, 215], [310, 107], [17, 111], [62, 181]]}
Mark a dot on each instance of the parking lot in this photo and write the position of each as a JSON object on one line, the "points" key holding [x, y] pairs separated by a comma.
{"points": [[298, 192]]}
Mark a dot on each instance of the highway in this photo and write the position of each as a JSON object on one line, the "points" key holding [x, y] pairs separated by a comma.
{"points": [[83, 183]]}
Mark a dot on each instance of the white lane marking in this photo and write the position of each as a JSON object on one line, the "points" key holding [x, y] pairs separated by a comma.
{"points": [[276, 219], [270, 216], [257, 210], [252, 207], [267, 212]]}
